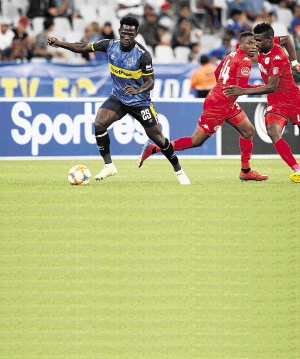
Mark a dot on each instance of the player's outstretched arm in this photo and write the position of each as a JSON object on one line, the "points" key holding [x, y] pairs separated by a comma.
{"points": [[79, 47], [270, 87], [287, 43]]}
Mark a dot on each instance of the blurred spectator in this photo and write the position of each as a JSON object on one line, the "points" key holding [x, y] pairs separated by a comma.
{"points": [[295, 29], [41, 47], [96, 35], [213, 14], [195, 53], [149, 29], [130, 7], [22, 44], [165, 10], [164, 32], [254, 9], [6, 34], [184, 35], [218, 53], [237, 22], [107, 31], [185, 13], [203, 79], [66, 8], [93, 33], [238, 5], [165, 15], [45, 8], [156, 4], [147, 9], [289, 4]]}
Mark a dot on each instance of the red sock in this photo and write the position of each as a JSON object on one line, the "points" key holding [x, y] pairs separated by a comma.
{"points": [[246, 147], [180, 144], [285, 152]]}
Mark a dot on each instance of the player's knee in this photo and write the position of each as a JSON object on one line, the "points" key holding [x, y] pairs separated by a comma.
{"points": [[155, 134], [249, 132], [274, 134], [99, 126]]}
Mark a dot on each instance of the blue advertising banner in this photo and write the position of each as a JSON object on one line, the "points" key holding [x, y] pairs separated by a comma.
{"points": [[49, 127], [70, 81]]}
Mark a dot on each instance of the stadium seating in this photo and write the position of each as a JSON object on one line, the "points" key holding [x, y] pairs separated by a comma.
{"points": [[163, 55], [182, 54]]}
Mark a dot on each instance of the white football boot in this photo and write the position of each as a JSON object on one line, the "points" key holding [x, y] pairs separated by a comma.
{"points": [[182, 177], [107, 171]]}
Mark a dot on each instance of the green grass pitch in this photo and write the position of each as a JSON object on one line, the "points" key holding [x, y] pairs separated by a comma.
{"points": [[139, 267]]}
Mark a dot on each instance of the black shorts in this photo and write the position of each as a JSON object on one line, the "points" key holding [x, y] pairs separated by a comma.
{"points": [[146, 115]]}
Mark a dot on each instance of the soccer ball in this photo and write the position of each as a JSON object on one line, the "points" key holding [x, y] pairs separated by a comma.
{"points": [[79, 175]]}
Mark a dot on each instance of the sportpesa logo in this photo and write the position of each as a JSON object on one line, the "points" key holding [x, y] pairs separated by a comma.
{"points": [[125, 73], [121, 72]]}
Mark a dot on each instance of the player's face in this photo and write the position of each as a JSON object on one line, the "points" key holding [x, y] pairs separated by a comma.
{"points": [[264, 44], [249, 46], [127, 35]]}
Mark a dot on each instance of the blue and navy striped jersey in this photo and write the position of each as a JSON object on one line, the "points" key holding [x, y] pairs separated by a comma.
{"points": [[127, 68]]}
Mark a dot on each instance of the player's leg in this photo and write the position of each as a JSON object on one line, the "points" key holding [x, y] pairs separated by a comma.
{"points": [[166, 147], [246, 130], [147, 117], [275, 124], [110, 112], [202, 132]]}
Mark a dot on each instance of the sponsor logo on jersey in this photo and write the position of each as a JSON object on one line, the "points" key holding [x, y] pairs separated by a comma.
{"points": [[277, 57], [130, 61], [124, 73], [275, 70], [232, 54], [246, 59], [262, 69], [245, 71], [267, 60]]}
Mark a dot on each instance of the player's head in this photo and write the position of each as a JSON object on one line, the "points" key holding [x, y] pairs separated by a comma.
{"points": [[130, 21], [128, 30], [264, 37], [247, 43]]}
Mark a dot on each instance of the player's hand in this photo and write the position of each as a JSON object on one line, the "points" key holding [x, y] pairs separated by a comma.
{"points": [[233, 91], [52, 41], [297, 68], [130, 90]]}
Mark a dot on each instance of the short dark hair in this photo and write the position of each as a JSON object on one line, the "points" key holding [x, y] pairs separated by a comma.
{"points": [[131, 21], [204, 59], [245, 34], [264, 28], [48, 23], [234, 12]]}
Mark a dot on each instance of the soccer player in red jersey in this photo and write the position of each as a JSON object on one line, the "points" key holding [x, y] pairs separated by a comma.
{"points": [[283, 94], [234, 69]]}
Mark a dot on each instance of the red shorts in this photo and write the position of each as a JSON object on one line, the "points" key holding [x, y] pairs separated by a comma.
{"points": [[282, 114], [212, 118]]}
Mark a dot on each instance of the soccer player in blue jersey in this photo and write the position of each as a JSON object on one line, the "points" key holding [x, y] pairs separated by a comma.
{"points": [[132, 75]]}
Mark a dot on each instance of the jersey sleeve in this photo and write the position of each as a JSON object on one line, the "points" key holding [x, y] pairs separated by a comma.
{"points": [[100, 45], [146, 64]]}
